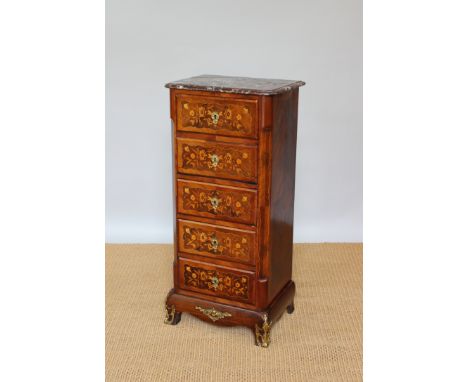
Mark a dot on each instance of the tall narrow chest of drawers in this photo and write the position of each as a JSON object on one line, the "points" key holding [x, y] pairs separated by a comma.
{"points": [[234, 156]]}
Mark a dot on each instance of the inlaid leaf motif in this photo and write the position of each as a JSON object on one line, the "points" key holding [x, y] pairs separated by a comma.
{"points": [[224, 244], [221, 283], [218, 116], [219, 160], [218, 202]]}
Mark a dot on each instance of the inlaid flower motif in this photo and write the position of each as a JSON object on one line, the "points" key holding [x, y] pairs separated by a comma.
{"points": [[202, 154], [221, 283], [223, 203], [216, 242], [229, 117], [220, 160]]}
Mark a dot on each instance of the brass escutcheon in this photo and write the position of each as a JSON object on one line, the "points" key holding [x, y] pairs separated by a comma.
{"points": [[214, 243], [215, 117], [214, 202], [215, 282], [214, 160]]}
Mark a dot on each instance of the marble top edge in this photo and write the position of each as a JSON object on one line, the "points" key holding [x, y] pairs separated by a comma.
{"points": [[239, 85]]}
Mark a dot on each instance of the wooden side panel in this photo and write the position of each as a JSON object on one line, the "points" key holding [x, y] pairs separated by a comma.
{"points": [[264, 184], [283, 170], [216, 159]]}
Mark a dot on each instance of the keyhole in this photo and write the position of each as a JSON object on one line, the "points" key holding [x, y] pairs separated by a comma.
{"points": [[214, 160], [215, 117]]}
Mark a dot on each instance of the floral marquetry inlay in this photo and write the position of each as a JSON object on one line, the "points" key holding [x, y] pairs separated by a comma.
{"points": [[225, 244], [236, 204], [221, 283], [217, 116], [221, 160]]}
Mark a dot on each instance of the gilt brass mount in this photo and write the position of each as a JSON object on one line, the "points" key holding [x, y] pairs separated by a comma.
{"points": [[214, 160], [215, 117], [213, 314], [262, 334], [170, 315]]}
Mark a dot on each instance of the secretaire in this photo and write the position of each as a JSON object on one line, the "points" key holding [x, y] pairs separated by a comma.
{"points": [[234, 156]]}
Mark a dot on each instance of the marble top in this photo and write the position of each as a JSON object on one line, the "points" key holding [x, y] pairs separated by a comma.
{"points": [[241, 85]]}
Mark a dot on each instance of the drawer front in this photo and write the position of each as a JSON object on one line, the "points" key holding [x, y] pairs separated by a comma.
{"points": [[220, 202], [215, 115], [224, 160], [216, 281], [210, 240]]}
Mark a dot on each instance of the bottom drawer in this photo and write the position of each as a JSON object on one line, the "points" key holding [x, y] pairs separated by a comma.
{"points": [[215, 280]]}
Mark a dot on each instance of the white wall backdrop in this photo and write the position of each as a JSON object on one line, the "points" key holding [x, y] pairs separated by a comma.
{"points": [[150, 43]]}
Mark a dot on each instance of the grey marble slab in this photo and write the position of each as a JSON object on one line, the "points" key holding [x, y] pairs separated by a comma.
{"points": [[241, 85]]}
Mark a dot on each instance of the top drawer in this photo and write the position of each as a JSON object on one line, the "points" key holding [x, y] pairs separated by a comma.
{"points": [[215, 115]]}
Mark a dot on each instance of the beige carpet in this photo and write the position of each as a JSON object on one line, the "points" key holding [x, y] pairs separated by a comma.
{"points": [[320, 341]]}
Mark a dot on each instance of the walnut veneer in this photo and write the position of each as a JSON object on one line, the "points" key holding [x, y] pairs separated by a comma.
{"points": [[234, 144]]}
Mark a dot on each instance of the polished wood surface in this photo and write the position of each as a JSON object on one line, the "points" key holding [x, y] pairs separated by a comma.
{"points": [[214, 115], [216, 241], [283, 170], [234, 207], [217, 159], [222, 202], [239, 315], [207, 278]]}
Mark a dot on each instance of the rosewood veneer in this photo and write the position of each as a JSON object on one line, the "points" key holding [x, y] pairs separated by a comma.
{"points": [[234, 145]]}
